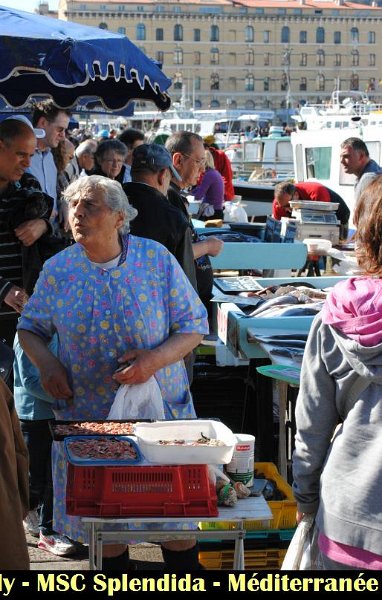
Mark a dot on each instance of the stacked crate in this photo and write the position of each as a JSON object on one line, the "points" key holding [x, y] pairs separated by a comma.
{"points": [[266, 542]]}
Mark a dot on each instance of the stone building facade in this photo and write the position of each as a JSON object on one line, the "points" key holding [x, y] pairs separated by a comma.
{"points": [[249, 53]]}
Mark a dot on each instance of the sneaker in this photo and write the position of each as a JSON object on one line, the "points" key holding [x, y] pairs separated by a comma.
{"points": [[31, 523], [56, 544]]}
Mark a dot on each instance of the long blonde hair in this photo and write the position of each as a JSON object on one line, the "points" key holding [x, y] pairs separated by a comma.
{"points": [[209, 159]]}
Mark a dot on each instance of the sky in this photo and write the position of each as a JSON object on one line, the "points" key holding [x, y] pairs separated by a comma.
{"points": [[27, 5]]}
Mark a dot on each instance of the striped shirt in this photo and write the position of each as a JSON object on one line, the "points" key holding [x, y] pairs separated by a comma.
{"points": [[10, 247]]}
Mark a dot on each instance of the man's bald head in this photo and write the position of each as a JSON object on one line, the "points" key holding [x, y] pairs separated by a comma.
{"points": [[17, 146]]}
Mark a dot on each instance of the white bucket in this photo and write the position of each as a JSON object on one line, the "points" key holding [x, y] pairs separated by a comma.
{"points": [[242, 465]]}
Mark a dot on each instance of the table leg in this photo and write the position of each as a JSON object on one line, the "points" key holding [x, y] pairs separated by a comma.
{"points": [[238, 557], [99, 551], [282, 459], [92, 564]]}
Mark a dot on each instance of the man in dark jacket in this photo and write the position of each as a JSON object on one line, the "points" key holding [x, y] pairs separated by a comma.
{"points": [[157, 219], [17, 146]]}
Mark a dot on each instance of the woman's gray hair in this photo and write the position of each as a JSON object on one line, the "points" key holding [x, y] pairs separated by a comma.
{"points": [[115, 197]]}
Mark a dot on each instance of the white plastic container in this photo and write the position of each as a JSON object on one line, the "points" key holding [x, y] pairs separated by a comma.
{"points": [[318, 245], [149, 434], [242, 465]]}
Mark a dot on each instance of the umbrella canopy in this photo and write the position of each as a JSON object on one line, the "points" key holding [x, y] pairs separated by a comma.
{"points": [[67, 61]]}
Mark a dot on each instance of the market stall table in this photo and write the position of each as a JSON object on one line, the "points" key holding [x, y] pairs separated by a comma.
{"points": [[252, 508]]}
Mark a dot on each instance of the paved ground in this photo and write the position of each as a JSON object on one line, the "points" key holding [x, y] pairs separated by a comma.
{"points": [[146, 557]]}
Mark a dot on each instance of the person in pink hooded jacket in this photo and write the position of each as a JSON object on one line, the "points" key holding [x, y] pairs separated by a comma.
{"points": [[337, 463]]}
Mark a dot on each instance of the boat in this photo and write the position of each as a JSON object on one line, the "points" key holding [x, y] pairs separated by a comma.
{"points": [[345, 109], [262, 159], [317, 157]]}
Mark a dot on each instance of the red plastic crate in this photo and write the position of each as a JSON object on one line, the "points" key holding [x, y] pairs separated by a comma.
{"points": [[172, 491]]}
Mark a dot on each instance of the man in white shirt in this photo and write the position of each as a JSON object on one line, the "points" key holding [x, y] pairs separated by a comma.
{"points": [[54, 121]]}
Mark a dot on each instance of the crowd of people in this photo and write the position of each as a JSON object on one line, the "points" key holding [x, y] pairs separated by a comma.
{"points": [[102, 267], [109, 293]]}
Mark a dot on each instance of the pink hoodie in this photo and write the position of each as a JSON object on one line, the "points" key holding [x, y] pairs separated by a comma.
{"points": [[354, 306]]}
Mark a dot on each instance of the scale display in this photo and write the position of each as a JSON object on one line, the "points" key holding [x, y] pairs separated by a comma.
{"points": [[310, 216]]}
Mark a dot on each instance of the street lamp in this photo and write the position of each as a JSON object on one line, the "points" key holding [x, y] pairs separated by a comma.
{"points": [[286, 63]]}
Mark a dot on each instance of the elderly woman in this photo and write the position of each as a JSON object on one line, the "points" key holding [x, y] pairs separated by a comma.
{"points": [[111, 298], [110, 157]]}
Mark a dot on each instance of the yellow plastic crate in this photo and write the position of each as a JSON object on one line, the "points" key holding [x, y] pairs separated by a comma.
{"points": [[269, 559], [283, 511]]}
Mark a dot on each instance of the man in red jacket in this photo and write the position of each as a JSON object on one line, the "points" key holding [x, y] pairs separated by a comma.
{"points": [[308, 190]]}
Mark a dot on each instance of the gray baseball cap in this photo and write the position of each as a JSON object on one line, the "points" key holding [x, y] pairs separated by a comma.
{"points": [[154, 157], [39, 133]]}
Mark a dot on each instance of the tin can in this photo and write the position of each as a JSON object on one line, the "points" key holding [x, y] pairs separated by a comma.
{"points": [[242, 465]]}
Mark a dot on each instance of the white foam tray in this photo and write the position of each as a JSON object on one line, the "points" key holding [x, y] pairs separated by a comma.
{"points": [[149, 434]]}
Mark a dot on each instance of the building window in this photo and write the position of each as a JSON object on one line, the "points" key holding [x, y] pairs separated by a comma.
{"points": [[178, 56], [102, 26], [198, 103], [337, 37], [141, 32], [371, 60], [354, 82], [196, 58], [285, 35], [320, 35], [320, 83], [214, 56], [320, 58], [196, 35], [267, 59], [249, 57], [371, 37], [214, 81], [355, 58], [215, 104], [159, 56], [122, 30], [303, 84], [266, 84], [371, 85], [303, 37], [249, 83], [266, 37], [249, 34], [354, 35], [178, 33], [197, 83], [303, 59], [159, 35], [337, 60], [284, 82], [214, 37]]}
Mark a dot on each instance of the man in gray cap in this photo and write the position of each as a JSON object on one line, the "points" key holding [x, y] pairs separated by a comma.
{"points": [[151, 172]]}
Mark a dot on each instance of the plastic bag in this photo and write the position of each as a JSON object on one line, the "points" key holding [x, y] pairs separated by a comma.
{"points": [[138, 401], [303, 553], [205, 210], [235, 213]]}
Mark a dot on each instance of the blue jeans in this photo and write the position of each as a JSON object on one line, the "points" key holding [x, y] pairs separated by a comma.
{"points": [[38, 439]]}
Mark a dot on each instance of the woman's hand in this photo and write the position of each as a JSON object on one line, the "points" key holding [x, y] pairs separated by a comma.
{"points": [[54, 380], [141, 365]]}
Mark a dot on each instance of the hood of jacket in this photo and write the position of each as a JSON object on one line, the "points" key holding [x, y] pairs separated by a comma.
{"points": [[353, 310]]}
